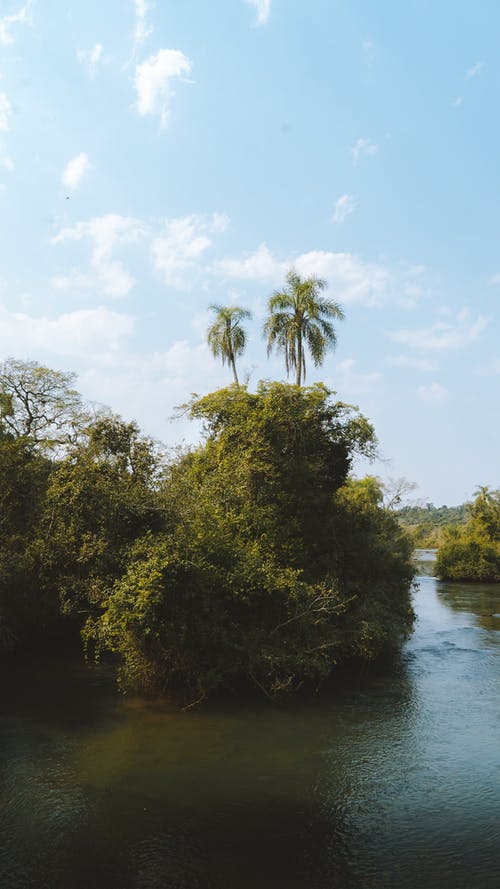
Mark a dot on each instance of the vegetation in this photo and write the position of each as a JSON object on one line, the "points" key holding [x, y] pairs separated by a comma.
{"points": [[427, 524], [252, 558], [299, 317], [472, 551], [226, 337], [254, 577]]}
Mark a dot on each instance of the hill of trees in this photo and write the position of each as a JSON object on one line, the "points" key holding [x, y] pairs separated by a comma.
{"points": [[252, 558], [426, 524]]}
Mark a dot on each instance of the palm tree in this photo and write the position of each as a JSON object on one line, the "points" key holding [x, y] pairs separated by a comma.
{"points": [[226, 337], [299, 316]]}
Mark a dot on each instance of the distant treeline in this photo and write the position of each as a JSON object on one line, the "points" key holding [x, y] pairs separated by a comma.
{"points": [[427, 523]]}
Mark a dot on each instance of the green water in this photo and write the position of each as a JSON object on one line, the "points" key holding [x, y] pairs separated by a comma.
{"points": [[394, 780]]}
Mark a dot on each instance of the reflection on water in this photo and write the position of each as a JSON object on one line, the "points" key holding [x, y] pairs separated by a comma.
{"points": [[393, 780]]}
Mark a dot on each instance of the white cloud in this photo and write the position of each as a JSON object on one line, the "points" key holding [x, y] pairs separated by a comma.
{"points": [[363, 147], [75, 170], [263, 10], [352, 381], [143, 29], [23, 17], [495, 279], [344, 206], [107, 232], [91, 57], [348, 277], [412, 363], [457, 101], [442, 335], [5, 112], [183, 243], [153, 82], [369, 51], [75, 281], [434, 393], [6, 161], [258, 266], [149, 386], [474, 70], [83, 332]]}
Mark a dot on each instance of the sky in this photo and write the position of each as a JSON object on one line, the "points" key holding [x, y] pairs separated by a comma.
{"points": [[158, 157]]}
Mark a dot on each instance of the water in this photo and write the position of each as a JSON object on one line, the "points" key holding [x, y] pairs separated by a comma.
{"points": [[394, 781]]}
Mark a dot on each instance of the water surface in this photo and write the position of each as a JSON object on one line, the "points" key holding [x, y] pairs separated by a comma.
{"points": [[394, 780]]}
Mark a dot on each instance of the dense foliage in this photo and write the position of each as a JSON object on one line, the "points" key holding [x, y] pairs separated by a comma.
{"points": [[253, 557], [427, 524], [472, 551], [273, 566]]}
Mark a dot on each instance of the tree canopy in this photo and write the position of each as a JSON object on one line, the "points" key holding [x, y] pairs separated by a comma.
{"points": [[253, 579], [298, 316], [226, 336], [471, 551], [40, 404], [252, 558]]}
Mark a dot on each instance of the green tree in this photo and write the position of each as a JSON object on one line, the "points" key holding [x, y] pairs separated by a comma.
{"points": [[471, 551], [25, 612], [101, 497], [226, 337], [40, 404], [272, 567], [300, 317]]}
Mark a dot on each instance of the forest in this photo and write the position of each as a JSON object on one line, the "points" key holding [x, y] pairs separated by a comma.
{"points": [[251, 558]]}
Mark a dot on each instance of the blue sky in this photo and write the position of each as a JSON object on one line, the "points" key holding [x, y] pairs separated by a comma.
{"points": [[156, 157]]}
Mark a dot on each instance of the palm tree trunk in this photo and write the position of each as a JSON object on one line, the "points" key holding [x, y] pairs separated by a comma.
{"points": [[233, 365], [299, 357]]}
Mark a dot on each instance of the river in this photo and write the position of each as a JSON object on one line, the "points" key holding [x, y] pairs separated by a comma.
{"points": [[393, 781]]}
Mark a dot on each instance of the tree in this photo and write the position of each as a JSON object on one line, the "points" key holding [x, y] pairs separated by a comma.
{"points": [[472, 551], [40, 404], [100, 498], [226, 337], [299, 316], [272, 567]]}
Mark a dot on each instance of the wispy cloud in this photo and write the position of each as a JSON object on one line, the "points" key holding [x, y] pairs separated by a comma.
{"points": [[442, 335], [344, 206], [434, 393], [368, 51], [410, 362], [154, 80], [75, 170], [474, 70], [82, 332], [263, 10], [183, 243], [351, 278], [143, 29], [363, 148], [106, 232], [5, 112], [91, 58], [354, 382], [457, 101], [7, 22]]}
